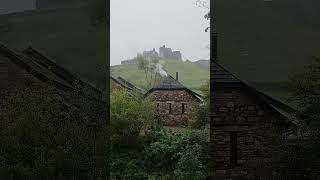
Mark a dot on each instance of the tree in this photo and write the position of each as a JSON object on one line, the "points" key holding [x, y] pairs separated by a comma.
{"points": [[152, 68], [201, 111], [204, 4], [129, 114]]}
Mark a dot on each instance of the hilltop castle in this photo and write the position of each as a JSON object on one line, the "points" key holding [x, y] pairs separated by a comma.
{"points": [[167, 53], [164, 53]]}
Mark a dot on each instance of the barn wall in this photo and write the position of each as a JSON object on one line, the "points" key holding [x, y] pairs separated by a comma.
{"points": [[176, 97]]}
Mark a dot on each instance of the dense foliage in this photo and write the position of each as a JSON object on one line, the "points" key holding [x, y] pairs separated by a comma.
{"points": [[297, 156], [44, 137], [201, 111], [130, 113], [143, 149], [163, 154]]}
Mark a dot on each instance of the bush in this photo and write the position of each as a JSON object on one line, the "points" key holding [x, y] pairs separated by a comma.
{"points": [[164, 155], [41, 137], [201, 112], [129, 114]]}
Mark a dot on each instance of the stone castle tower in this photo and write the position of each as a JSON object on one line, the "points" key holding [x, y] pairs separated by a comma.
{"points": [[167, 53]]}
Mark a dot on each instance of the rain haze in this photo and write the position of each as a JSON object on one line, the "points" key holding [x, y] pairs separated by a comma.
{"points": [[139, 25]]}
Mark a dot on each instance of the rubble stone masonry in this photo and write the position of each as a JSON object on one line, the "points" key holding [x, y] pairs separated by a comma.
{"points": [[181, 103], [234, 114]]}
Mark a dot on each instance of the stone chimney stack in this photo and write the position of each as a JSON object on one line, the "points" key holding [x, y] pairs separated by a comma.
{"points": [[177, 76]]}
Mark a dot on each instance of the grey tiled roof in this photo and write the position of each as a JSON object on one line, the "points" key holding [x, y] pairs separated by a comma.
{"points": [[120, 83], [169, 83], [44, 72], [220, 75]]}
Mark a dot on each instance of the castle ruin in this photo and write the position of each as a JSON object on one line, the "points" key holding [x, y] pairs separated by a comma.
{"points": [[164, 53]]}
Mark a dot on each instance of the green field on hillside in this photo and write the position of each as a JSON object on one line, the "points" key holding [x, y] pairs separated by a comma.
{"points": [[256, 43], [190, 74]]}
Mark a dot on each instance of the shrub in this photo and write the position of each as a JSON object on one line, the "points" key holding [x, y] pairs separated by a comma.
{"points": [[41, 137], [179, 155], [201, 111], [164, 155], [129, 114]]}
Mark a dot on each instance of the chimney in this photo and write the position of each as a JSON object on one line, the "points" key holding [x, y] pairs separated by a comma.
{"points": [[177, 76], [214, 46]]}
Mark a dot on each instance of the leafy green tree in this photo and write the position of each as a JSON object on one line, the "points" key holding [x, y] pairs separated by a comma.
{"points": [[178, 155], [129, 115], [151, 68]]}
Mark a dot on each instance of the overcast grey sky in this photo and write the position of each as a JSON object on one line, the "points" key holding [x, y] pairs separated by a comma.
{"points": [[138, 25]]}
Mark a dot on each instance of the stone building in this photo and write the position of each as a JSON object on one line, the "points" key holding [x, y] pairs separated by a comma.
{"points": [[174, 101], [164, 53], [153, 54], [238, 112], [129, 61], [167, 53]]}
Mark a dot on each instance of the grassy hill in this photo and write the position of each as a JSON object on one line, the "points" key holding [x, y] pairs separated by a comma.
{"points": [[263, 43], [190, 74]]}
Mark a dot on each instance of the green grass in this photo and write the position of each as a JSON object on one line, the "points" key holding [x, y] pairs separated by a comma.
{"points": [[190, 75]]}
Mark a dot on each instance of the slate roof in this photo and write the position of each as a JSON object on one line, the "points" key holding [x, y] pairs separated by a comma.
{"points": [[170, 83], [221, 78], [58, 70], [130, 85], [120, 83], [39, 68]]}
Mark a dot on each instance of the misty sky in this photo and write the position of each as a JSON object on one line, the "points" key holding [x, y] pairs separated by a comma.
{"points": [[138, 25]]}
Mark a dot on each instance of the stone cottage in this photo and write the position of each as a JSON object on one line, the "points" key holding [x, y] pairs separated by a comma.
{"points": [[238, 112], [174, 101]]}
